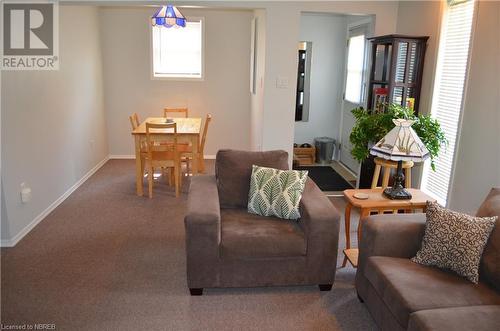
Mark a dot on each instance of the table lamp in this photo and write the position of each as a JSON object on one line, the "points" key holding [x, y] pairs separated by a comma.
{"points": [[400, 144]]}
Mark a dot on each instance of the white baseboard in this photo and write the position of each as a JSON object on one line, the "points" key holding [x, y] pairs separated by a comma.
{"points": [[121, 157], [128, 157], [12, 242], [347, 169]]}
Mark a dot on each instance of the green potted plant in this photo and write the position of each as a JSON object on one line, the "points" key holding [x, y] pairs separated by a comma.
{"points": [[370, 127]]}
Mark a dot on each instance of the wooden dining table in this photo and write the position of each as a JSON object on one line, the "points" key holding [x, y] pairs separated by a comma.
{"points": [[188, 131]]}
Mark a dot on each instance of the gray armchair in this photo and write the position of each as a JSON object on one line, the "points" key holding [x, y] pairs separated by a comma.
{"points": [[228, 247]]}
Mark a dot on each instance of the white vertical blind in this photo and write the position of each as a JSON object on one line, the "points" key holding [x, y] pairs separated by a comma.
{"points": [[448, 92]]}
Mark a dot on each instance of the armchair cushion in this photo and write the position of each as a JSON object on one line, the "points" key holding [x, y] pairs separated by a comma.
{"points": [[275, 192], [234, 168], [247, 236], [406, 287]]}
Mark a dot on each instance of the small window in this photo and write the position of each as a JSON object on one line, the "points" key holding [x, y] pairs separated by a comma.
{"points": [[355, 66], [178, 52]]}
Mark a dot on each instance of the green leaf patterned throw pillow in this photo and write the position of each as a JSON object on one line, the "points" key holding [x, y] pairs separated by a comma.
{"points": [[276, 192]]}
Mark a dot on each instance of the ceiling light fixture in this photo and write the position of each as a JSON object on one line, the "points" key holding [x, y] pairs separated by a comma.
{"points": [[168, 16]]}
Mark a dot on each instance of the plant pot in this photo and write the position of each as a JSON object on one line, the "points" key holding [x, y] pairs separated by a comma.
{"points": [[366, 173]]}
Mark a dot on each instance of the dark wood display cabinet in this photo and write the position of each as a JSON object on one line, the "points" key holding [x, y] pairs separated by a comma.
{"points": [[397, 63]]}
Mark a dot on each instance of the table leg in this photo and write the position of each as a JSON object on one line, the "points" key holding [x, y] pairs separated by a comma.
{"points": [[365, 212], [347, 222], [194, 167], [408, 178], [376, 175], [138, 166], [385, 178]]}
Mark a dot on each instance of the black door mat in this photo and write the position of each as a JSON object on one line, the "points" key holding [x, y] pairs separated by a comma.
{"points": [[326, 178]]}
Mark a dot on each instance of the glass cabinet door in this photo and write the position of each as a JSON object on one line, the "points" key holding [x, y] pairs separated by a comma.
{"points": [[403, 85], [382, 60]]}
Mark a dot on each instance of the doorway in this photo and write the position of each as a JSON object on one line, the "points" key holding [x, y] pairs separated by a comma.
{"points": [[324, 62], [354, 86]]}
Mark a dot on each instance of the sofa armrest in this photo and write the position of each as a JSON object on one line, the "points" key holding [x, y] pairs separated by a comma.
{"points": [[396, 235], [320, 221], [203, 230]]}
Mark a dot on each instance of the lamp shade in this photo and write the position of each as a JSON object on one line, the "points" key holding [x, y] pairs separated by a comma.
{"points": [[168, 16], [401, 144]]}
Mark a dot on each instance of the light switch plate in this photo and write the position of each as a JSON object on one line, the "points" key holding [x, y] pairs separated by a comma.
{"points": [[282, 82]]}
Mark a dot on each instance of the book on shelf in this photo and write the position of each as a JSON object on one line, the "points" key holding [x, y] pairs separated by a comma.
{"points": [[380, 99]]}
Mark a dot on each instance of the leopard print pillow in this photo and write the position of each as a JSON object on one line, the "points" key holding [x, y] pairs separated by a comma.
{"points": [[454, 241]]}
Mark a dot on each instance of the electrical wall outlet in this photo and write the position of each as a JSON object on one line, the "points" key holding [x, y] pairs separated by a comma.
{"points": [[25, 193]]}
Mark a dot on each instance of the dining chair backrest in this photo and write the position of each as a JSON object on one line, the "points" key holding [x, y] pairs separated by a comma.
{"points": [[134, 120], [169, 110], [204, 135], [154, 147]]}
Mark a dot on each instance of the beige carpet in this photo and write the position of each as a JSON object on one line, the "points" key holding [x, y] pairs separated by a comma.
{"points": [[106, 259]]}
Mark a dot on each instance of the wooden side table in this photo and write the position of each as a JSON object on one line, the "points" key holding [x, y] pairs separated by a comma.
{"points": [[379, 203]]}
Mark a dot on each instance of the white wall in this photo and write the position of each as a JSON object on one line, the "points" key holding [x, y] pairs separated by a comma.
{"points": [[327, 34], [53, 137], [283, 22], [282, 32], [225, 91], [53, 129], [422, 18], [478, 153], [478, 166]]}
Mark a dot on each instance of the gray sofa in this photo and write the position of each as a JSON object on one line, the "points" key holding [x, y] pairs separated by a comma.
{"points": [[228, 247], [402, 295]]}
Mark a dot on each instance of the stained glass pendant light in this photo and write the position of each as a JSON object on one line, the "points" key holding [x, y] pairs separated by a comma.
{"points": [[168, 16]]}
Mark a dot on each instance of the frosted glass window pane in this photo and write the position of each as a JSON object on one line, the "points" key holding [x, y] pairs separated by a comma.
{"points": [[355, 62], [177, 52]]}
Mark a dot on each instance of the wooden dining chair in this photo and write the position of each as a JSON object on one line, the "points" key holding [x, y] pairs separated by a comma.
{"points": [[168, 110], [162, 155], [188, 154], [134, 121], [201, 149]]}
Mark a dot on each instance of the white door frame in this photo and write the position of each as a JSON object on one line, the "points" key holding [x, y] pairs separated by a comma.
{"points": [[369, 24]]}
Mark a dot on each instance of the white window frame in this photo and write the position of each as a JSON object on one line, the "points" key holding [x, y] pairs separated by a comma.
{"points": [[179, 78], [426, 167], [365, 25]]}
